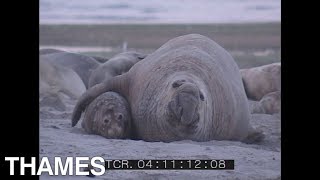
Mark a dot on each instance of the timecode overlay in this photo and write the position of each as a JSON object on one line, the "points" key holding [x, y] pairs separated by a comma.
{"points": [[210, 164]]}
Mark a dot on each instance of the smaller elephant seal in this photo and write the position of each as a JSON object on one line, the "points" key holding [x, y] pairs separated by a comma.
{"points": [[269, 104], [49, 51], [109, 116], [259, 81], [100, 59], [117, 65], [56, 81], [83, 65], [52, 51]]}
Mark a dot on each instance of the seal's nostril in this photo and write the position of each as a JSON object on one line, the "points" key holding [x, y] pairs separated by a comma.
{"points": [[180, 111], [106, 121], [178, 83], [175, 84], [120, 117], [201, 97]]}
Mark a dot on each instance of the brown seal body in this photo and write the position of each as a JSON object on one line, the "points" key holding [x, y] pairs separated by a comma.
{"points": [[109, 116], [269, 104], [190, 88], [259, 81]]}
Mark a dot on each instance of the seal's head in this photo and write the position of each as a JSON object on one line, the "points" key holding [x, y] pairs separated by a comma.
{"points": [[108, 116], [184, 103]]}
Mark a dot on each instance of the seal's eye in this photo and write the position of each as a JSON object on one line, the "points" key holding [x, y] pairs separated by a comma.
{"points": [[201, 96], [178, 83], [106, 121], [141, 56]]}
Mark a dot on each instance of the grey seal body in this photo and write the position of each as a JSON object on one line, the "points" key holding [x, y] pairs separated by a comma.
{"points": [[83, 65], [269, 104], [56, 81], [49, 51], [190, 88], [117, 65]]}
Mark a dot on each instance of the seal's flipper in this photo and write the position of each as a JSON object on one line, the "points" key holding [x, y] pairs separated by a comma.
{"points": [[117, 84], [255, 136]]}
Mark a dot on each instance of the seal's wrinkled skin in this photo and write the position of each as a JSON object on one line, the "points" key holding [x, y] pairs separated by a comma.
{"points": [[190, 88], [109, 116]]}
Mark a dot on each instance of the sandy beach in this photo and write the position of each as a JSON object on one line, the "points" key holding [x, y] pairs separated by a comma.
{"points": [[252, 161], [251, 45]]}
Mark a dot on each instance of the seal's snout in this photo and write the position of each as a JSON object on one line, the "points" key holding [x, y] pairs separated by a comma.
{"points": [[188, 103], [119, 116], [106, 121], [185, 102]]}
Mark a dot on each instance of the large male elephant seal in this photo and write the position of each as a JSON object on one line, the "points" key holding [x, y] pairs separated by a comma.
{"points": [[115, 66], [109, 116], [83, 65], [190, 88], [259, 81]]}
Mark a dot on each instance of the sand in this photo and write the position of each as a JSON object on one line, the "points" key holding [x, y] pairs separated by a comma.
{"points": [[255, 161]]}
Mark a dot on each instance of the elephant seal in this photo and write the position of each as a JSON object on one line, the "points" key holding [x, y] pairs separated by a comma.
{"points": [[117, 65], [56, 81], [49, 51], [189, 88], [259, 81], [269, 104], [83, 65], [109, 116], [100, 59]]}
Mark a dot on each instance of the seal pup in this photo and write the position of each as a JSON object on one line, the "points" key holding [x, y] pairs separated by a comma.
{"points": [[109, 116]]}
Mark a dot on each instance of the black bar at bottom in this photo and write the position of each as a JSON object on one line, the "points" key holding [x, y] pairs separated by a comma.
{"points": [[210, 164]]}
